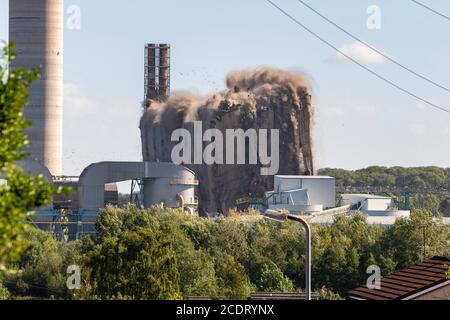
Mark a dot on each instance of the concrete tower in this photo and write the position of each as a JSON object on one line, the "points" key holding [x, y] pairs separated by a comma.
{"points": [[157, 72], [36, 26]]}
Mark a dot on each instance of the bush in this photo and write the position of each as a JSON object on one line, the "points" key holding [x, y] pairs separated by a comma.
{"points": [[272, 279], [4, 293], [164, 254], [41, 270], [132, 258]]}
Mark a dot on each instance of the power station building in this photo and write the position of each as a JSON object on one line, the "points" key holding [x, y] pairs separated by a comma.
{"points": [[37, 27], [307, 194]]}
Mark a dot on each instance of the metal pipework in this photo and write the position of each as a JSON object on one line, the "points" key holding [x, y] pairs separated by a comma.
{"points": [[36, 27], [163, 182], [282, 217]]}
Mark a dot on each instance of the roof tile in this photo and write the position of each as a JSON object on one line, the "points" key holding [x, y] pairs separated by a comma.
{"points": [[407, 282]]}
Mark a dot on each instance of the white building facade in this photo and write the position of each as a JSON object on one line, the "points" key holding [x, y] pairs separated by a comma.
{"points": [[302, 194]]}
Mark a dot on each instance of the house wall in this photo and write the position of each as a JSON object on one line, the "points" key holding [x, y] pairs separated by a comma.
{"points": [[442, 293]]}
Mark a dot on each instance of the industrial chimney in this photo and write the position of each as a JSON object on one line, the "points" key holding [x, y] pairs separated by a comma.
{"points": [[36, 27], [157, 72]]}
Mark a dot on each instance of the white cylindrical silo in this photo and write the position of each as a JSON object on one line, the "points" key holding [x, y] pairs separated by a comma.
{"points": [[173, 192], [36, 27]]}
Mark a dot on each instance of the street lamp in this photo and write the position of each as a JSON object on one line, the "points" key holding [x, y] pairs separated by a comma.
{"points": [[282, 217]]}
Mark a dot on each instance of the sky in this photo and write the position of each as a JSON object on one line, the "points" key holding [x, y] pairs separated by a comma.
{"points": [[360, 120]]}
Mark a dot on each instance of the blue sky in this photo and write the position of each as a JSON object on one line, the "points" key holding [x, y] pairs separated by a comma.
{"points": [[360, 121]]}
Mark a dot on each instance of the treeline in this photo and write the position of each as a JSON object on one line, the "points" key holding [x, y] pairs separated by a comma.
{"points": [[427, 187], [414, 179], [161, 254]]}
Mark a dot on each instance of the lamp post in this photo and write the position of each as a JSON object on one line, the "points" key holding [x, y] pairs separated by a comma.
{"points": [[282, 217]]}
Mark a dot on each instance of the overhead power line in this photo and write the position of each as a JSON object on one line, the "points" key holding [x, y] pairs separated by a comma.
{"points": [[373, 48], [357, 62], [431, 9]]}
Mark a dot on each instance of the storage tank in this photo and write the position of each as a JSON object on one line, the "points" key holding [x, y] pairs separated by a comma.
{"points": [[174, 192], [36, 27]]}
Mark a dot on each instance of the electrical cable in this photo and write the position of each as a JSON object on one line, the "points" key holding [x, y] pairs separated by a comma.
{"points": [[358, 63], [373, 48]]}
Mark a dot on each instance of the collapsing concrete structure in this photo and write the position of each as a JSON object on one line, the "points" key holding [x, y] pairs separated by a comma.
{"points": [[262, 98]]}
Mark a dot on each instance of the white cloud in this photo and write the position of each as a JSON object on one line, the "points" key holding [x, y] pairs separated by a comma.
{"points": [[359, 52]]}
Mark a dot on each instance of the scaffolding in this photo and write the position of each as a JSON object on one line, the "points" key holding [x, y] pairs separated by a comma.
{"points": [[137, 193], [65, 225], [157, 72]]}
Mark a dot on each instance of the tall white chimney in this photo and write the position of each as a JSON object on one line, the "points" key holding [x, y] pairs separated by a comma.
{"points": [[37, 27]]}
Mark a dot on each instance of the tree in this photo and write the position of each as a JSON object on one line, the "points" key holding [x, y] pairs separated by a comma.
{"points": [[21, 193], [41, 270], [272, 279], [444, 207], [195, 265], [412, 240], [342, 252], [4, 293], [137, 265], [133, 258], [232, 279], [230, 236]]}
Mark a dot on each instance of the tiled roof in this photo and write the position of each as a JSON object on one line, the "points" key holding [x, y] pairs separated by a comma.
{"points": [[407, 282]]}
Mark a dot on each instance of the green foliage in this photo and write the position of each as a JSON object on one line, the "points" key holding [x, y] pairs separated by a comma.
{"points": [[41, 270], [13, 98], [412, 240], [272, 279], [159, 254], [22, 193], [164, 254], [327, 294], [232, 279], [4, 293], [133, 258], [428, 187], [416, 179], [444, 207], [195, 266], [341, 252], [229, 235]]}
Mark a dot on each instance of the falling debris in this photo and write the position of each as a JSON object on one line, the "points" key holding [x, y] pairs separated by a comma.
{"points": [[261, 98]]}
